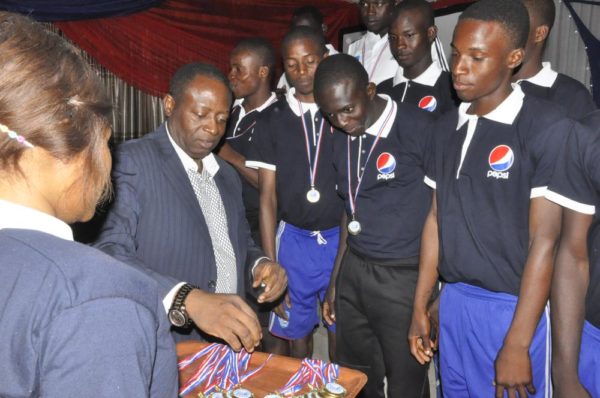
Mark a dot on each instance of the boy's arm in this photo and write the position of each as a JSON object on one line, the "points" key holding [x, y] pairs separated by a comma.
{"points": [[238, 161], [513, 365], [421, 347], [567, 300], [329, 302], [268, 210]]}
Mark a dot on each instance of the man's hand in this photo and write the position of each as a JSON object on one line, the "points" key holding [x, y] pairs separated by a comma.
{"points": [[513, 372], [225, 316], [421, 347], [329, 305], [274, 279]]}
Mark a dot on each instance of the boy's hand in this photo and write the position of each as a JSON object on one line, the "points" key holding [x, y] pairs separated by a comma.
{"points": [[421, 347], [513, 372], [329, 306]]}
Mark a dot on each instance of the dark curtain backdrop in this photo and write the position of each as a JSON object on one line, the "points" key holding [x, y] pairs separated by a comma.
{"points": [[69, 10], [146, 48]]}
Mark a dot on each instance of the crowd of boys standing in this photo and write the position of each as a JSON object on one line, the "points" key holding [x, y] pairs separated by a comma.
{"points": [[369, 202], [392, 190]]}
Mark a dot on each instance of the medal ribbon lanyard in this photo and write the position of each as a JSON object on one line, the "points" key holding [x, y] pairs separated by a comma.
{"points": [[352, 196], [312, 168]]}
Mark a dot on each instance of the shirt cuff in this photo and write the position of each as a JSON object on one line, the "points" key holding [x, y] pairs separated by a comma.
{"points": [[168, 300], [570, 203], [254, 164], [430, 183], [258, 260], [537, 192]]}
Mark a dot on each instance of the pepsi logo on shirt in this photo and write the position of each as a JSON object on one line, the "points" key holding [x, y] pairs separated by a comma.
{"points": [[501, 159], [386, 164], [428, 103]]}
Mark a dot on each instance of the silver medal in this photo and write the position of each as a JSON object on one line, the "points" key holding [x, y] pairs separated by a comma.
{"points": [[313, 195], [354, 227]]}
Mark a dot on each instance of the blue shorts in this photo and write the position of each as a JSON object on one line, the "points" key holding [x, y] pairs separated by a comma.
{"points": [[308, 258], [589, 359], [473, 325]]}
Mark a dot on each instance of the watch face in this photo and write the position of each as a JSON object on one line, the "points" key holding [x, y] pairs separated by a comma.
{"points": [[177, 318]]}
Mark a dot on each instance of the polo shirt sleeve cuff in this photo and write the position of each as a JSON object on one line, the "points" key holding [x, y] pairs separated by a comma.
{"points": [[258, 260], [429, 182], [538, 192], [570, 203], [168, 300], [253, 164]]}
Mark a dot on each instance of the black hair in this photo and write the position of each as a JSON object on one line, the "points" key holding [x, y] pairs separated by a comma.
{"points": [[422, 6], [545, 10], [261, 47], [337, 68], [184, 75], [311, 12], [303, 33], [511, 14]]}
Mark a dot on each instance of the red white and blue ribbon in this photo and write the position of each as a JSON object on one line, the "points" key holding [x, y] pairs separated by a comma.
{"points": [[222, 369], [353, 195], [312, 165], [312, 372]]}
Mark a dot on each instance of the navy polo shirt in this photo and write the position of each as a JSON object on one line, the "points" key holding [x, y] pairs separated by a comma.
{"points": [[576, 186], [560, 89], [280, 145], [485, 171], [431, 91], [392, 200], [240, 130]]}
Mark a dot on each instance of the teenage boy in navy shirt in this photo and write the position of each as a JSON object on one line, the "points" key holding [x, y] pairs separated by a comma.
{"points": [[372, 49], [310, 17], [575, 297], [292, 152], [419, 81], [537, 77], [251, 66], [380, 169], [490, 234]]}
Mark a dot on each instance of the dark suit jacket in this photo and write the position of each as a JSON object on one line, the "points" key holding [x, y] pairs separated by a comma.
{"points": [[156, 221]]}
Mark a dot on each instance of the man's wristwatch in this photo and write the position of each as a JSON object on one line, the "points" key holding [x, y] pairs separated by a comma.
{"points": [[178, 315]]}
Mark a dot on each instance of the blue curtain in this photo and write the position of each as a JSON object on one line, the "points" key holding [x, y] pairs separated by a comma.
{"points": [[592, 45], [70, 10]]}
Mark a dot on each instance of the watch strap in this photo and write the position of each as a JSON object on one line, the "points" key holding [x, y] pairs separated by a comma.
{"points": [[178, 302]]}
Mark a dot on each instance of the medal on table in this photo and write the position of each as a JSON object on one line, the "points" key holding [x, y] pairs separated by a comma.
{"points": [[313, 195], [354, 227]]}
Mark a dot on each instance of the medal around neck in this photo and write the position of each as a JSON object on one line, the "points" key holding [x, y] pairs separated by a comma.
{"points": [[354, 227], [313, 195]]}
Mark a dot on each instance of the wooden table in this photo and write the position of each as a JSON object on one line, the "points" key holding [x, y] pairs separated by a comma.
{"points": [[273, 376]]}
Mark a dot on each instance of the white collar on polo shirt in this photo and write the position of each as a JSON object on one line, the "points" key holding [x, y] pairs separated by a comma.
{"points": [[208, 162], [428, 78], [504, 113], [545, 77], [16, 216], [387, 116], [272, 98], [293, 102]]}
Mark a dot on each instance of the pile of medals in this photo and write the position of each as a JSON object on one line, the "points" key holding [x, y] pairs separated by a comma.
{"points": [[223, 371], [319, 376]]}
